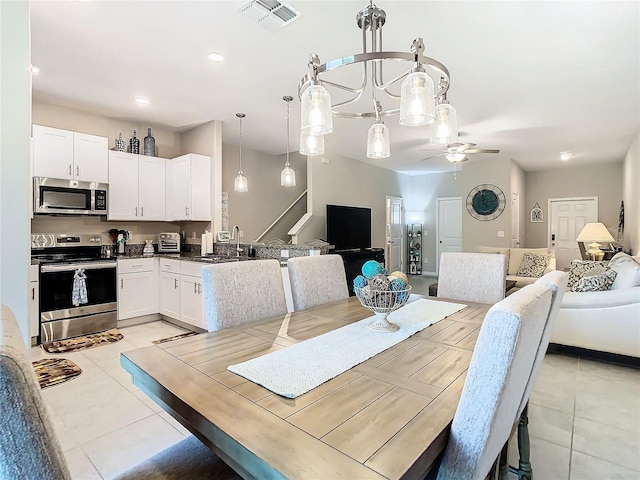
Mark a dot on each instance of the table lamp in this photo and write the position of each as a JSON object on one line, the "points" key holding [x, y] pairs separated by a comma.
{"points": [[595, 233]]}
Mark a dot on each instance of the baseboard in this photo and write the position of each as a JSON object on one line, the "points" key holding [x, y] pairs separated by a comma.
{"points": [[626, 360]]}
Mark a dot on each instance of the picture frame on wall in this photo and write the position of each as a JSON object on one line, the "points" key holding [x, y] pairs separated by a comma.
{"points": [[536, 214]]}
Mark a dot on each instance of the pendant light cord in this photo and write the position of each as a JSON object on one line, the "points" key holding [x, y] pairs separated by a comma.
{"points": [[288, 99], [240, 117]]}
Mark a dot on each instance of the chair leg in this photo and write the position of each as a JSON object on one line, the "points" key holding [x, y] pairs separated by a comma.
{"points": [[524, 467], [503, 465]]}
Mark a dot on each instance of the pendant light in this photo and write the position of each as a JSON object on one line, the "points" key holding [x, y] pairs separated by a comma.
{"points": [[378, 142], [311, 144], [417, 99], [445, 128], [288, 176], [240, 183]]}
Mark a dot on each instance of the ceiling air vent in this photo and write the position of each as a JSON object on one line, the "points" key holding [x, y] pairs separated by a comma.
{"points": [[270, 14]]}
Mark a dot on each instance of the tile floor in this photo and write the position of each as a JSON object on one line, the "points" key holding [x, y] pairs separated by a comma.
{"points": [[584, 415]]}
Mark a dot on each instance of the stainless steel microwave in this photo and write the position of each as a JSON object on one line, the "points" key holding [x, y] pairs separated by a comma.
{"points": [[70, 197]]}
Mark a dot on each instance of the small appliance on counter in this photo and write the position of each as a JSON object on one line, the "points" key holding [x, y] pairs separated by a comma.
{"points": [[169, 242]]}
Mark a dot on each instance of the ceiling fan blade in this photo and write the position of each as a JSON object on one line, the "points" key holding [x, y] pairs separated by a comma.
{"points": [[481, 150], [456, 146], [434, 156], [465, 147]]}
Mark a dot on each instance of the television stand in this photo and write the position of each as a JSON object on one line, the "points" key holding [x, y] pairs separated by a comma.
{"points": [[354, 259]]}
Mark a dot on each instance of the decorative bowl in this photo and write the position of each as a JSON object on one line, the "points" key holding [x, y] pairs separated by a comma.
{"points": [[382, 303]]}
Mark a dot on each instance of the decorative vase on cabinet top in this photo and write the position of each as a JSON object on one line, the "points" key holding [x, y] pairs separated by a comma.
{"points": [[149, 144], [120, 145], [134, 144]]}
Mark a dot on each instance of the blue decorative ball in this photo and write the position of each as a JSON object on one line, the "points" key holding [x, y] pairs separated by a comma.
{"points": [[397, 284], [372, 268], [360, 281], [401, 296]]}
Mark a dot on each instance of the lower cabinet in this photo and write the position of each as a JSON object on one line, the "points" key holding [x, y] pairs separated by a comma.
{"points": [[34, 301], [181, 292], [137, 287]]}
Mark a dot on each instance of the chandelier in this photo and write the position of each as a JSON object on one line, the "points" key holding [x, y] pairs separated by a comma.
{"points": [[420, 103]]}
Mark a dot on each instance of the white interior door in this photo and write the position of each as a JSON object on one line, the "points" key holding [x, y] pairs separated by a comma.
{"points": [[449, 227], [515, 220], [567, 216], [394, 231]]}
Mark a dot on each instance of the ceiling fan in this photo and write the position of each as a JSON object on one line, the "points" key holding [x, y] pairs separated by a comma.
{"points": [[457, 152]]}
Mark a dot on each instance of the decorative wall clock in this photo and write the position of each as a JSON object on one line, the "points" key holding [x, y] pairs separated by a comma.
{"points": [[486, 202]]}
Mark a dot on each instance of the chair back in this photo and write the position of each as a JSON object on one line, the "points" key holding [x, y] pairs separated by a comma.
{"points": [[29, 447], [472, 277], [316, 280], [556, 281], [240, 292], [498, 372]]}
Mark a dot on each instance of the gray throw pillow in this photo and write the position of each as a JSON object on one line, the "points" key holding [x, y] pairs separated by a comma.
{"points": [[598, 282], [533, 265]]}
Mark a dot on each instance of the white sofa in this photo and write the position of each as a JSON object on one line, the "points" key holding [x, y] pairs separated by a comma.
{"points": [[607, 321], [514, 259]]}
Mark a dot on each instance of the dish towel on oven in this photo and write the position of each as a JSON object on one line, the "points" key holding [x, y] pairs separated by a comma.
{"points": [[79, 294]]}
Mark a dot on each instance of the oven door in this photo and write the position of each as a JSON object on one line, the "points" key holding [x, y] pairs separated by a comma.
{"points": [[59, 317]]}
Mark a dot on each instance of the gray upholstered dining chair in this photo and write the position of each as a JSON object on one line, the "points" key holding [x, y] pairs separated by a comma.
{"points": [[316, 280], [556, 281], [472, 277], [30, 449], [240, 292], [496, 380]]}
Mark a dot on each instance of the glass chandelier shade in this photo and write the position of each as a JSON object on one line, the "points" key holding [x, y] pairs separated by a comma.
{"points": [[378, 141], [311, 144], [315, 110], [288, 176], [455, 157], [240, 183], [417, 103], [445, 128]]}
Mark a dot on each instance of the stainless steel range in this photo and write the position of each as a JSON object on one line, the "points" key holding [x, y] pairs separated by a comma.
{"points": [[77, 285]]}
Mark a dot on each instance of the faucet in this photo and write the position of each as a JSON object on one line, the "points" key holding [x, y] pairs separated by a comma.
{"points": [[236, 231]]}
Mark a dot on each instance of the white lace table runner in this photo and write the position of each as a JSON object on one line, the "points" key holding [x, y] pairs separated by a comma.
{"points": [[296, 369]]}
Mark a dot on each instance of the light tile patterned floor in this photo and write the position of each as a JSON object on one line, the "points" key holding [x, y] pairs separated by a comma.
{"points": [[584, 415]]}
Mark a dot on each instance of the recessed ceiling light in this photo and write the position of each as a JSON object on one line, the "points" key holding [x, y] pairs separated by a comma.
{"points": [[215, 57], [35, 70], [564, 156], [142, 101]]}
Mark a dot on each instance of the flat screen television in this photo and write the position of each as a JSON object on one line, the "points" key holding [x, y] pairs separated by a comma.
{"points": [[348, 227]]}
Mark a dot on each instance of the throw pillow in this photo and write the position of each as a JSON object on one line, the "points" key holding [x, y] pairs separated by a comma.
{"points": [[599, 282], [533, 265], [517, 254], [582, 268], [627, 269]]}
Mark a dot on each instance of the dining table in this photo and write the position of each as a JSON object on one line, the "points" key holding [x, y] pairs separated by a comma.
{"points": [[385, 418]]}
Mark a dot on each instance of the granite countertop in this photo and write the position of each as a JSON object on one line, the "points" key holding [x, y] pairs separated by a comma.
{"points": [[192, 257]]}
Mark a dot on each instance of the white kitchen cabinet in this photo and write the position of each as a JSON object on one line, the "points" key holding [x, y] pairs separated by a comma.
{"points": [[170, 288], [191, 295], [69, 155], [137, 287], [34, 301], [136, 187], [189, 188]]}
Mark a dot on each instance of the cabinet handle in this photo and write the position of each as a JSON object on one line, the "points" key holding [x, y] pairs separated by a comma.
{"points": [[69, 169], [142, 211], [175, 283], [77, 170], [199, 288], [186, 211], [195, 287], [33, 293], [121, 283], [137, 266]]}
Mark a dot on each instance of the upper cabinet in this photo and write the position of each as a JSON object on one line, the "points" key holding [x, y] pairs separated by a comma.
{"points": [[70, 155], [136, 187], [189, 188]]}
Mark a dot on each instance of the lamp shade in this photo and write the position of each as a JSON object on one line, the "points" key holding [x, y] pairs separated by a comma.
{"points": [[240, 183], [315, 111], [378, 141], [311, 144], [416, 100], [595, 232], [445, 128], [287, 177]]}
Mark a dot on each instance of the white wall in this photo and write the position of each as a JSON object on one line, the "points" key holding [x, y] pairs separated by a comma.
{"points": [[343, 181], [518, 186], [631, 195], [15, 141]]}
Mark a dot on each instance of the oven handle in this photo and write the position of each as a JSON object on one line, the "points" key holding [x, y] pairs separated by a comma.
{"points": [[76, 266]]}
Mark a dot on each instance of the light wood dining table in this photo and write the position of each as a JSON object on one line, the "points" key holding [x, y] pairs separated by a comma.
{"points": [[387, 417]]}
